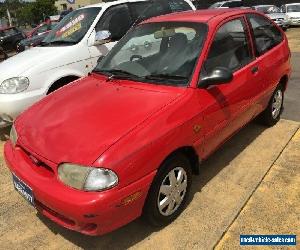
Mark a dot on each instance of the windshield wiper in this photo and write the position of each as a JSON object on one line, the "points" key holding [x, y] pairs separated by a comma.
{"points": [[166, 77], [116, 73], [57, 42]]}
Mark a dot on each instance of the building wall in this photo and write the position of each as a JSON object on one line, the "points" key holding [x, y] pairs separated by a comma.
{"points": [[64, 4]]}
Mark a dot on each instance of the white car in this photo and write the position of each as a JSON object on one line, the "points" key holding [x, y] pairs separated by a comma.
{"points": [[293, 12], [227, 4], [71, 51], [274, 13]]}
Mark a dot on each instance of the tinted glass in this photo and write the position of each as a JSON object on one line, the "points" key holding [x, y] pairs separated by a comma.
{"points": [[117, 20], [230, 48], [293, 8], [162, 7], [163, 53], [138, 9], [179, 5], [235, 4], [73, 27], [266, 34], [215, 5]]}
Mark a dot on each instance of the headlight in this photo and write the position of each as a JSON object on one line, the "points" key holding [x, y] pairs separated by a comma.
{"points": [[87, 178], [13, 135], [14, 85]]}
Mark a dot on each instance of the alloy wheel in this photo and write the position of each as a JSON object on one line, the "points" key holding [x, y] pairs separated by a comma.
{"points": [[277, 103], [172, 191]]}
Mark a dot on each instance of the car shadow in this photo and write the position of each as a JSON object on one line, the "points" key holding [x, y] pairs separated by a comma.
{"points": [[4, 133], [137, 230]]}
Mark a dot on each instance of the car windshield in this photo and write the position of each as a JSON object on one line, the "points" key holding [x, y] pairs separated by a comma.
{"points": [[161, 53], [293, 8], [268, 9], [72, 28]]}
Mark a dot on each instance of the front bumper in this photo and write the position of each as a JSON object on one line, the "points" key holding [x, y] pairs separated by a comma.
{"points": [[295, 22], [11, 105], [91, 213]]}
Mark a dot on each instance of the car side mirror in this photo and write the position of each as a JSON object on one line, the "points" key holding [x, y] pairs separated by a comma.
{"points": [[220, 75], [102, 37]]}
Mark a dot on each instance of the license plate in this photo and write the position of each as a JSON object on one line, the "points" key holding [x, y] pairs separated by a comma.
{"points": [[23, 189]]}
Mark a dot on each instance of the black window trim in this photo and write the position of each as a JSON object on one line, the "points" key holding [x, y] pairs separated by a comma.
{"points": [[246, 26], [256, 53]]}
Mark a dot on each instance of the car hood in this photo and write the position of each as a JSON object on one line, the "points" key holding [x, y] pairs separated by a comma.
{"points": [[293, 14], [17, 65], [81, 121]]}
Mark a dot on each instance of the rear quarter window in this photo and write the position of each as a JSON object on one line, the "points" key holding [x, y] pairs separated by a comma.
{"points": [[266, 34]]}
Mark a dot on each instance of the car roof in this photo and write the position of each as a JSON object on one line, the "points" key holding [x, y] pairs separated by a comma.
{"points": [[200, 15]]}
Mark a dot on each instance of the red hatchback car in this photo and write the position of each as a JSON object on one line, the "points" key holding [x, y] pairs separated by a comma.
{"points": [[126, 140]]}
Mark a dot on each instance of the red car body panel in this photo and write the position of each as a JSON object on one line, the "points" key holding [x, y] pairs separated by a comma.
{"points": [[131, 128], [73, 209], [116, 103]]}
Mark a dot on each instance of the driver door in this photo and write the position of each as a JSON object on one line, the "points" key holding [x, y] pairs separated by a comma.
{"points": [[229, 106], [117, 21]]}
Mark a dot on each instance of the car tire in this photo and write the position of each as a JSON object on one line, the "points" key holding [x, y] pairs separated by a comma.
{"points": [[271, 115], [167, 196]]}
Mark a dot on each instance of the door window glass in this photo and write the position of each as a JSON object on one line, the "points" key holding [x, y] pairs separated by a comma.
{"points": [[137, 9], [142, 11], [235, 4], [230, 47], [117, 20], [266, 34], [179, 5]]}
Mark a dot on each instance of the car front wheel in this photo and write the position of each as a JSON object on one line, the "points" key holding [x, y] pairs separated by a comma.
{"points": [[169, 191]]}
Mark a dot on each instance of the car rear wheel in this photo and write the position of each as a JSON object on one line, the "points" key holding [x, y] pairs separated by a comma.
{"points": [[272, 113], [169, 191]]}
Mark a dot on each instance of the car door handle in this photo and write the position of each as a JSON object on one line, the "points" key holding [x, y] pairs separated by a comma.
{"points": [[254, 70]]}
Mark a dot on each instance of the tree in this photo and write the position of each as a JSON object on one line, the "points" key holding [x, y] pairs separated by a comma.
{"points": [[28, 12], [42, 8]]}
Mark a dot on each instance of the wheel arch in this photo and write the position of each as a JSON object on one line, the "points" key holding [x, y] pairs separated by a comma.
{"points": [[61, 82], [284, 81], [190, 153]]}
